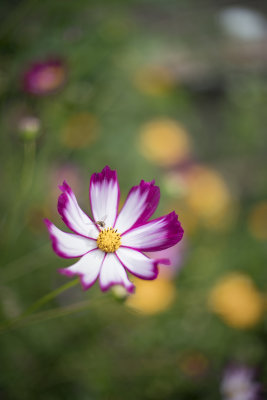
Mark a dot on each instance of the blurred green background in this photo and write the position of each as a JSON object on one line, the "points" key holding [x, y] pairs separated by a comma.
{"points": [[174, 91]]}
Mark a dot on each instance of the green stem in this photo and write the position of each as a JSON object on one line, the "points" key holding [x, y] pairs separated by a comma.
{"points": [[25, 186], [45, 299], [28, 166], [39, 303], [47, 315], [25, 264]]}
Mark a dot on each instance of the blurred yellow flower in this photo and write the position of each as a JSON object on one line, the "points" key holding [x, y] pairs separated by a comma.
{"points": [[258, 221], [164, 142], [152, 297], [153, 80], [80, 131], [237, 301], [209, 197]]}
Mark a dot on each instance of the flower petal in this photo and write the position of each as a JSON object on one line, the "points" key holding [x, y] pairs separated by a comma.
{"points": [[113, 273], [72, 214], [68, 245], [158, 234], [104, 196], [87, 268], [139, 264], [140, 204]]}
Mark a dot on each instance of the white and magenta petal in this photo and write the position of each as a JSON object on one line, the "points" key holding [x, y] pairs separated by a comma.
{"points": [[88, 268], [140, 204], [104, 196], [68, 245], [154, 235], [113, 273], [139, 264], [73, 216]]}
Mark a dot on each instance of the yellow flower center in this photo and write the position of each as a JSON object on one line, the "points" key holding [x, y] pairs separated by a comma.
{"points": [[109, 240]]}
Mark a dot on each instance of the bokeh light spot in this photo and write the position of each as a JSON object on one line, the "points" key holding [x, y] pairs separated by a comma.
{"points": [[164, 142], [237, 301]]}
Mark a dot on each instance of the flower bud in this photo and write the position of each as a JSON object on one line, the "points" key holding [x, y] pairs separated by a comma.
{"points": [[29, 128]]}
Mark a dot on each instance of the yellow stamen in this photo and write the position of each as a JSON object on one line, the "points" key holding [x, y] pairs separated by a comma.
{"points": [[109, 240]]}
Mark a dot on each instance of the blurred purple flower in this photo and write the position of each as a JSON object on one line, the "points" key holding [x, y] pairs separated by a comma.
{"points": [[44, 77], [239, 383], [175, 254]]}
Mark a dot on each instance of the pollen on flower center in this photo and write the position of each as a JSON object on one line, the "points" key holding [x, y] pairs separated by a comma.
{"points": [[109, 240]]}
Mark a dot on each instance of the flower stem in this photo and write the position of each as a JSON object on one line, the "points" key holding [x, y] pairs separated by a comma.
{"points": [[28, 168], [51, 295], [25, 264], [39, 303], [25, 187], [47, 315]]}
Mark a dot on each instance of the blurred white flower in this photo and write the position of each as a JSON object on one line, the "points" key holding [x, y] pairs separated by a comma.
{"points": [[243, 23]]}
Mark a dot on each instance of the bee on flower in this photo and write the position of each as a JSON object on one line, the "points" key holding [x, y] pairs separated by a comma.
{"points": [[108, 252]]}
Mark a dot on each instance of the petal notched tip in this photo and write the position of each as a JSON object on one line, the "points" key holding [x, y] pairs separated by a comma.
{"points": [[175, 226], [155, 272], [85, 286], [62, 202], [65, 187], [104, 194], [148, 186], [155, 235], [174, 232], [164, 261], [53, 238], [63, 199], [152, 199], [72, 215], [129, 287], [106, 174]]}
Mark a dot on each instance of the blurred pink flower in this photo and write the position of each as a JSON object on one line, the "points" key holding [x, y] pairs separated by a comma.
{"points": [[44, 77], [175, 254]]}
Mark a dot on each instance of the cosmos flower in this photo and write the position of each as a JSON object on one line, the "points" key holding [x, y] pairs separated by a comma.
{"points": [[44, 77], [238, 383], [113, 243]]}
